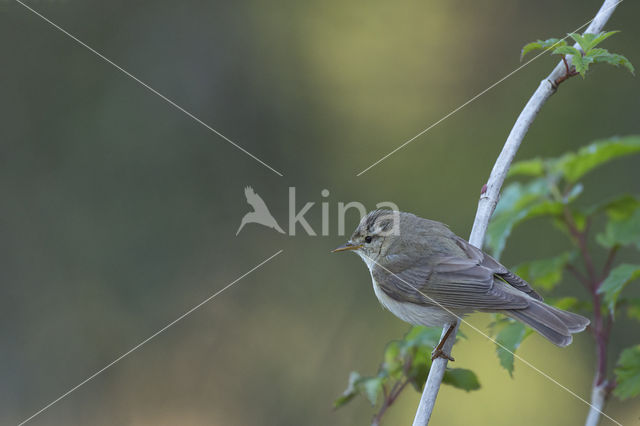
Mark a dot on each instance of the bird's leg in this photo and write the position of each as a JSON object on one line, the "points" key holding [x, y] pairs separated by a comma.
{"points": [[438, 352]]}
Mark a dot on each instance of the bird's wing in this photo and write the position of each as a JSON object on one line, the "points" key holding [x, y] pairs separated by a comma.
{"points": [[452, 282], [496, 267]]}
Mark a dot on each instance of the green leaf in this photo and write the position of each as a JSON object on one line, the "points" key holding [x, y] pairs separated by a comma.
{"points": [[541, 45], [513, 207], [407, 359], [501, 226], [622, 208], [621, 230], [633, 309], [393, 361], [567, 50], [575, 165], [350, 392], [461, 378], [419, 342], [427, 337], [619, 207], [534, 167], [590, 54], [498, 321], [509, 339], [517, 195], [601, 37], [564, 303], [628, 373], [588, 41], [419, 370], [544, 208], [570, 304], [545, 273], [617, 280], [581, 63], [372, 388], [603, 56], [584, 41], [499, 230]]}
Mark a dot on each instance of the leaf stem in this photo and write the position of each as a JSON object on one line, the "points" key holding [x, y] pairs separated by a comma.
{"points": [[601, 325], [579, 275], [609, 263], [569, 72], [580, 238], [389, 398]]}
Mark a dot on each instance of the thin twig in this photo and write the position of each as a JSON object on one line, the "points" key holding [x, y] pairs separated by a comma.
{"points": [[567, 70], [489, 200], [579, 275], [600, 327], [389, 399], [568, 73], [581, 241], [601, 330], [609, 263]]}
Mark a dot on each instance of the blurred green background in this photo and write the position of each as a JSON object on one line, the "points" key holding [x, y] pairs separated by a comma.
{"points": [[119, 212]]}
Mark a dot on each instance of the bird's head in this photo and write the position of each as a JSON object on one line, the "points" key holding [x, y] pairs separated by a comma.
{"points": [[375, 233]]}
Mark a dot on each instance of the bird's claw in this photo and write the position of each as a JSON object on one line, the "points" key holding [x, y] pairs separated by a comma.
{"points": [[439, 353]]}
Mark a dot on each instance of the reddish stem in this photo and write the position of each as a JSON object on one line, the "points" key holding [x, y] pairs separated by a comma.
{"points": [[592, 282], [583, 280], [581, 240], [388, 400], [568, 73], [609, 263], [605, 324], [393, 394], [600, 336]]}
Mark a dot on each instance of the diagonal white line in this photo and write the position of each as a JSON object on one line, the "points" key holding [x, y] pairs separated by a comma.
{"points": [[190, 311], [146, 86], [474, 98], [499, 344]]}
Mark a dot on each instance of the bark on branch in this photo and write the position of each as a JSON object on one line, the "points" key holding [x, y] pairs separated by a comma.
{"points": [[489, 200]]}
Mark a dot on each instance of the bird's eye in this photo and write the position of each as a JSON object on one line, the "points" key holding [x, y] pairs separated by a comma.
{"points": [[367, 239]]}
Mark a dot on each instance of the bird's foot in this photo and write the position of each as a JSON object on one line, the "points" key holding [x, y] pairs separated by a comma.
{"points": [[439, 353]]}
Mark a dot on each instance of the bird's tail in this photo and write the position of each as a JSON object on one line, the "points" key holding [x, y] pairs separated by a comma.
{"points": [[554, 324]]}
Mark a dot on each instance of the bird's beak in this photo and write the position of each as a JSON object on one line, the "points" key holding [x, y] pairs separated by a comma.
{"points": [[347, 246]]}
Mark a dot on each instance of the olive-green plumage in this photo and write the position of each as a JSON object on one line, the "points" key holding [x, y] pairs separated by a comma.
{"points": [[426, 275]]}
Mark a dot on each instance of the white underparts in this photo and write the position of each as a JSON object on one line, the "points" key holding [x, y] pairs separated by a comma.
{"points": [[429, 316]]}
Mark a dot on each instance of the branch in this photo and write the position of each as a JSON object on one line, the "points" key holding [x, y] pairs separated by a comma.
{"points": [[489, 200], [599, 395]]}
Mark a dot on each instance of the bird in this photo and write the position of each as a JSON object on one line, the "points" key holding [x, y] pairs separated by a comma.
{"points": [[260, 213], [426, 275]]}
